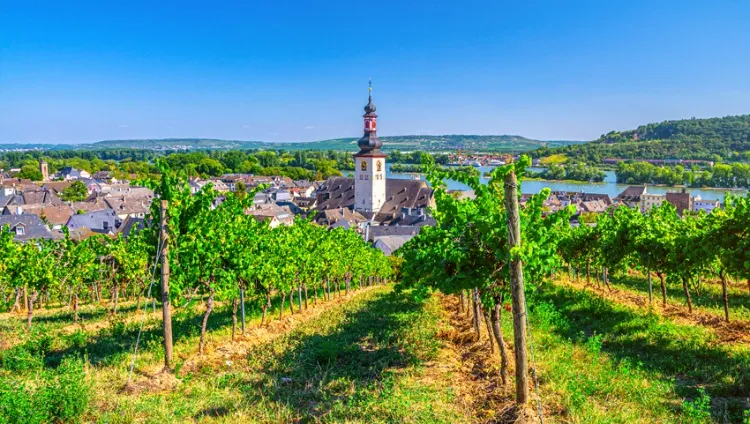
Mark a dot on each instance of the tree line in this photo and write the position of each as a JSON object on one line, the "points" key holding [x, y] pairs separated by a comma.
{"points": [[575, 172], [714, 139], [734, 175], [139, 164]]}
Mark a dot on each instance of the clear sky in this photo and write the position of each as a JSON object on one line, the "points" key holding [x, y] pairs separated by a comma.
{"points": [[73, 71]]}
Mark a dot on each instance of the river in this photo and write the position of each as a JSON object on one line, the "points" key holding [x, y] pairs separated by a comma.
{"points": [[609, 186]]}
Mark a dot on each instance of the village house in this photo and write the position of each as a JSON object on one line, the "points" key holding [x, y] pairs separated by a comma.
{"points": [[275, 215], [27, 227], [92, 203], [631, 196], [105, 176], [305, 203], [56, 187], [389, 244], [70, 173], [343, 217], [305, 188], [104, 221], [40, 197], [705, 205], [55, 216], [681, 201], [593, 206], [650, 201], [129, 206], [219, 185]]}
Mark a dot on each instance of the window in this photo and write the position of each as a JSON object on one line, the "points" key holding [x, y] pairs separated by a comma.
{"points": [[363, 165], [20, 230], [379, 166]]}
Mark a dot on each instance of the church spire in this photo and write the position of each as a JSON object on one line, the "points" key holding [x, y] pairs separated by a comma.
{"points": [[369, 143]]}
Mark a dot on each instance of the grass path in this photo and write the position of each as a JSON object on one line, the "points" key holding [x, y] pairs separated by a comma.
{"points": [[374, 358], [602, 361]]}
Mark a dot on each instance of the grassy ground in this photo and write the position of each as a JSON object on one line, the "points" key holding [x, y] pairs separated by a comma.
{"points": [[707, 297], [604, 362], [375, 356], [370, 357]]}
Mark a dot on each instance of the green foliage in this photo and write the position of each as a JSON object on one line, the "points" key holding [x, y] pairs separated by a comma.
{"points": [[59, 395], [67, 391], [20, 359], [702, 139], [697, 410], [720, 175], [76, 192], [577, 172], [468, 249], [30, 172]]}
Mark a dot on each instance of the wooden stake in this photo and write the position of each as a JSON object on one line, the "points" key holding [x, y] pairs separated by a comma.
{"points": [[517, 291], [166, 312]]}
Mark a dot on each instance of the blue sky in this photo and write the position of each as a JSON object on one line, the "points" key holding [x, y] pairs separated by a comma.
{"points": [[297, 71]]}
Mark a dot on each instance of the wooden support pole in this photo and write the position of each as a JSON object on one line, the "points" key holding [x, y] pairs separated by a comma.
{"points": [[517, 290], [166, 312], [242, 305]]}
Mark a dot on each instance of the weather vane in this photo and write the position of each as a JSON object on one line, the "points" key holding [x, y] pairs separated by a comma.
{"points": [[369, 89]]}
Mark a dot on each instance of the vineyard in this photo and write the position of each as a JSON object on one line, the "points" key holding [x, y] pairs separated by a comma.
{"points": [[500, 313]]}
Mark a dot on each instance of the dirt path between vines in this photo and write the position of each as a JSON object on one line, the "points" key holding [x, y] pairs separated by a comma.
{"points": [[735, 331], [477, 370]]}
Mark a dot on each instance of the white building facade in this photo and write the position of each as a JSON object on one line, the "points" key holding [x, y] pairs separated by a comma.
{"points": [[705, 205]]}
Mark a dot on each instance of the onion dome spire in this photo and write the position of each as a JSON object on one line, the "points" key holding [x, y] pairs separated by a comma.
{"points": [[369, 143]]}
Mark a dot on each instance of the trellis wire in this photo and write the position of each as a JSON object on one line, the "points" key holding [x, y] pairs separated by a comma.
{"points": [[145, 307]]}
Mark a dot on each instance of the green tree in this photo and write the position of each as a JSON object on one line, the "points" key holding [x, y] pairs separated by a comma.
{"points": [[76, 192], [30, 172]]}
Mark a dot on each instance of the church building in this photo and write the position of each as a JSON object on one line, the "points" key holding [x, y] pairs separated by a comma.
{"points": [[370, 196]]}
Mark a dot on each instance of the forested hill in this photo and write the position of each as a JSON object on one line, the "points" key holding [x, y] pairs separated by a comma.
{"points": [[485, 143], [709, 139]]}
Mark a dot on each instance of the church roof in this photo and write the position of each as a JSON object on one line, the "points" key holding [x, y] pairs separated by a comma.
{"points": [[338, 192]]}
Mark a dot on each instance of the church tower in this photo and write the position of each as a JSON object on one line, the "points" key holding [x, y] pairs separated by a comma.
{"points": [[43, 170], [369, 163]]}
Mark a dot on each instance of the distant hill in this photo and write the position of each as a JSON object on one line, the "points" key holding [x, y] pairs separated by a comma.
{"points": [[705, 139], [484, 143]]}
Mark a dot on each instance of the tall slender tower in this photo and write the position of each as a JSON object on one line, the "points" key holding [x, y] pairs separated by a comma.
{"points": [[369, 162], [43, 170]]}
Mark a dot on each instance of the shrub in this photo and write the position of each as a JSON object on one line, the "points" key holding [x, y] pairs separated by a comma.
{"points": [[117, 327], [60, 395], [699, 409], [77, 339], [19, 359], [40, 342], [67, 391], [18, 404]]}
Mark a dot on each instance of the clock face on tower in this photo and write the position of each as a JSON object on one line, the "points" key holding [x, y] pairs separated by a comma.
{"points": [[363, 165], [379, 166]]}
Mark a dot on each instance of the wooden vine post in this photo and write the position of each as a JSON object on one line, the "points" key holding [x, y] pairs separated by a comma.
{"points": [[517, 288], [166, 312]]}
